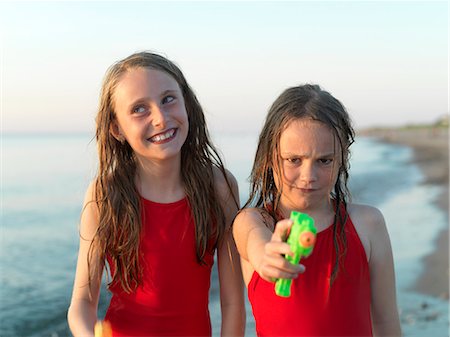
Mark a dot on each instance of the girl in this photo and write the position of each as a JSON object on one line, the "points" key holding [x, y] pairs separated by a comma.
{"points": [[160, 205], [346, 287]]}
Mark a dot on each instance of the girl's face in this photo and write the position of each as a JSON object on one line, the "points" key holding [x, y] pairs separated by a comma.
{"points": [[309, 165], [150, 114]]}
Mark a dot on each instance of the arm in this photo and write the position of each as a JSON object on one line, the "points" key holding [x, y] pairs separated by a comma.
{"points": [[385, 317], [260, 249], [82, 313], [229, 267]]}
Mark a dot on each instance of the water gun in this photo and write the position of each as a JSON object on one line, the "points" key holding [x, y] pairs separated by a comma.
{"points": [[102, 329], [301, 239]]}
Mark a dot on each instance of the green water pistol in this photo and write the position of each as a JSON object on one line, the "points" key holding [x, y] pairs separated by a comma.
{"points": [[301, 239]]}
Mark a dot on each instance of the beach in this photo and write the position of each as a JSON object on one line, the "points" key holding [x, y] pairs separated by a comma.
{"points": [[431, 154], [396, 169], [42, 205]]}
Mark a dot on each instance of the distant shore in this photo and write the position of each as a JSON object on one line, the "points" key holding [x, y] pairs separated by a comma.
{"points": [[431, 153]]}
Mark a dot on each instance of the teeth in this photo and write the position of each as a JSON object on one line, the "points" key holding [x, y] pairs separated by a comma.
{"points": [[164, 136]]}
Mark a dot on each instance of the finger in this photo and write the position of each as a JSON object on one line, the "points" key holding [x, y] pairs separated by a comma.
{"points": [[283, 265], [277, 248], [281, 229], [271, 274]]}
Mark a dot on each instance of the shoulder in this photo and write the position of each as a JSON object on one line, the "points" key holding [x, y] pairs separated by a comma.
{"points": [[371, 227], [366, 216], [246, 220], [247, 214], [224, 183], [368, 221], [254, 217], [90, 192], [90, 213], [226, 189]]}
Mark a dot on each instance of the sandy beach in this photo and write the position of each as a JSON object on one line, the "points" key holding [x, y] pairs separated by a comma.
{"points": [[431, 153]]}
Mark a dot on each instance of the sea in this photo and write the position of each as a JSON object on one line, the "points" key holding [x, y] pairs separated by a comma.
{"points": [[44, 178]]}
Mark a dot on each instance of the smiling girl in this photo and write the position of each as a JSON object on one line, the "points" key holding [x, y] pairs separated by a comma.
{"points": [[161, 205]]}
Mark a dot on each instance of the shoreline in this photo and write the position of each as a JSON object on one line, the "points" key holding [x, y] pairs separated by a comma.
{"points": [[431, 154]]}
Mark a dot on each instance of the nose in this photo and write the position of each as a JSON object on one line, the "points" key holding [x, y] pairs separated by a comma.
{"points": [[308, 172], [159, 117]]}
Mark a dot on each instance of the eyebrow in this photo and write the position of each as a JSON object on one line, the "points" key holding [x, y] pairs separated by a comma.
{"points": [[170, 91], [147, 98], [321, 155]]}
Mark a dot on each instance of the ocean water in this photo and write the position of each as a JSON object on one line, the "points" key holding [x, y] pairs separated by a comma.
{"points": [[43, 183]]}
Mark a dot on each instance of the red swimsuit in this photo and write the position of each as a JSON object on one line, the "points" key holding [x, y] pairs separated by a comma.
{"points": [[315, 309], [173, 299]]}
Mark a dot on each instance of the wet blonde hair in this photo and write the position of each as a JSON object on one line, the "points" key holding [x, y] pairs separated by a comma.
{"points": [[304, 101]]}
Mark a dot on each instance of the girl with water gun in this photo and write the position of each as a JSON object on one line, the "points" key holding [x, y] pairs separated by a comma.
{"points": [[346, 286]]}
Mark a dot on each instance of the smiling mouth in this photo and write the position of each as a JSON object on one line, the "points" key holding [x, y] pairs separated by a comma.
{"points": [[163, 137]]}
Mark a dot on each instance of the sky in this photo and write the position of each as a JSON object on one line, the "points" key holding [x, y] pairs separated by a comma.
{"points": [[386, 61]]}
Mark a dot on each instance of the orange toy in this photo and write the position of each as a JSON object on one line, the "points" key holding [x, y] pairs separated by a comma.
{"points": [[102, 329]]}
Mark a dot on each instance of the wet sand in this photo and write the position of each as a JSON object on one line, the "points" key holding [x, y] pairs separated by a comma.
{"points": [[431, 153]]}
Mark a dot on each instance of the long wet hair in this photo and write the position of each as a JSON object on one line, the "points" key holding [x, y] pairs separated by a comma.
{"points": [[118, 201], [304, 101]]}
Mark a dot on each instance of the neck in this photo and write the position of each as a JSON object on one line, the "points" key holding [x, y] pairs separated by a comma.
{"points": [[323, 213], [160, 181]]}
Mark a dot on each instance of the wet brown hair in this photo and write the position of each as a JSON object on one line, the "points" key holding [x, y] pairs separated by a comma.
{"points": [[304, 101], [117, 198]]}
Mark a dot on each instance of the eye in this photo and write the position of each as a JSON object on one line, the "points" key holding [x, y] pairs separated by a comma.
{"points": [[294, 160], [139, 109], [326, 161], [168, 99]]}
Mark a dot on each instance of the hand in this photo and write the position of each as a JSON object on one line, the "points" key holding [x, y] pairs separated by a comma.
{"points": [[273, 265]]}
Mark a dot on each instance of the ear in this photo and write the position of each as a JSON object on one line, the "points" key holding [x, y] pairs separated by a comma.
{"points": [[114, 130]]}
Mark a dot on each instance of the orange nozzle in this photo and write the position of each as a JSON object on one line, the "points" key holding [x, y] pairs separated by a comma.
{"points": [[307, 239]]}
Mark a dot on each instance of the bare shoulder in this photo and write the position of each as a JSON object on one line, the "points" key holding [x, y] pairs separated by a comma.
{"points": [[224, 182], [249, 214], [90, 192], [371, 228], [247, 220], [228, 194], [254, 217], [89, 213], [366, 217]]}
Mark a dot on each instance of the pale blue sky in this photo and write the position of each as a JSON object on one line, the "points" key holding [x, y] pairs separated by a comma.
{"points": [[386, 61]]}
